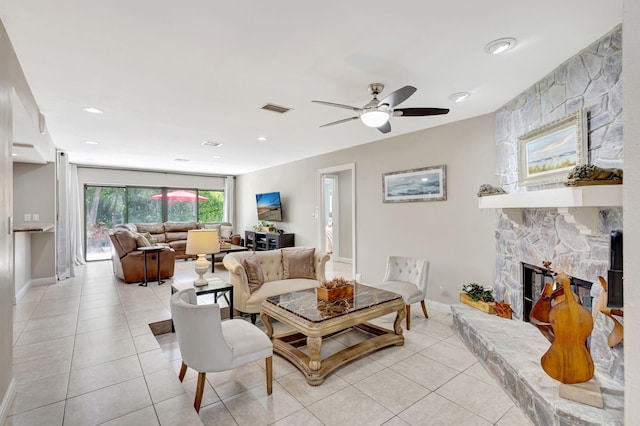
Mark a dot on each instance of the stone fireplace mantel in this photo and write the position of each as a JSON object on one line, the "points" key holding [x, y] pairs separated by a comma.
{"points": [[578, 205]]}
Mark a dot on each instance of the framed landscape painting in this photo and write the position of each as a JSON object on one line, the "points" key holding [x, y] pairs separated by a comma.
{"points": [[424, 184], [549, 153]]}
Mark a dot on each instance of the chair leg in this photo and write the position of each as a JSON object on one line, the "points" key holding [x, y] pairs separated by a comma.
{"points": [[199, 391], [254, 317], [183, 371], [408, 317], [269, 365], [424, 309]]}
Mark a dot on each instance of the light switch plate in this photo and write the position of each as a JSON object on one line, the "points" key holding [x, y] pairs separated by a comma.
{"points": [[27, 217], [35, 217]]}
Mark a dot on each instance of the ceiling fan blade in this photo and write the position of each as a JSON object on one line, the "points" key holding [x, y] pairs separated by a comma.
{"points": [[385, 128], [340, 121], [419, 112], [352, 108], [397, 97]]}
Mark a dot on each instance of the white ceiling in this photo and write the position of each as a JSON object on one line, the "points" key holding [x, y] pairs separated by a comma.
{"points": [[171, 74]]}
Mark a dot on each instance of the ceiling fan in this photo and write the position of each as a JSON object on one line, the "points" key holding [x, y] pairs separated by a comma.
{"points": [[377, 113]]}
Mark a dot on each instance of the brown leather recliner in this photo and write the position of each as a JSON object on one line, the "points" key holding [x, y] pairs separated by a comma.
{"points": [[128, 261]]}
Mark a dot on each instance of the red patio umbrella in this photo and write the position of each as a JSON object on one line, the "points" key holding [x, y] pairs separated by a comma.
{"points": [[180, 195]]}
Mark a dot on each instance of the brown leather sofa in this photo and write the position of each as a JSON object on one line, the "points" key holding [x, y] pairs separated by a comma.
{"points": [[175, 234], [128, 261]]}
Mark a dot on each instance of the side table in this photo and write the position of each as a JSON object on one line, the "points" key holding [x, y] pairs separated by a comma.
{"points": [[216, 286], [146, 251]]}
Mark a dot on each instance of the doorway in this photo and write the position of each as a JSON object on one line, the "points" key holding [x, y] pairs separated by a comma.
{"points": [[336, 227]]}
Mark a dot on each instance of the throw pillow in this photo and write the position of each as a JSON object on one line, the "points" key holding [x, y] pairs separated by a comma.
{"points": [[254, 273], [225, 231], [298, 263], [141, 240]]}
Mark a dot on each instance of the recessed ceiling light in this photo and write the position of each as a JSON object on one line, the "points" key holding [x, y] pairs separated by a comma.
{"points": [[91, 142], [262, 138], [181, 159], [213, 144], [459, 96], [93, 110], [14, 154], [500, 45], [217, 157]]}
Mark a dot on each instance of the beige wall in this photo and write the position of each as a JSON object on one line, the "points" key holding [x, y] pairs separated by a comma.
{"points": [[344, 242], [631, 209], [454, 235]]}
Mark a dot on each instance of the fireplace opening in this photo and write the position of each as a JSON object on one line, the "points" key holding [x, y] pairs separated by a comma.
{"points": [[534, 279]]}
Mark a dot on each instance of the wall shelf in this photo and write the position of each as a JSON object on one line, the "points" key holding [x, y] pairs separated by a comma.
{"points": [[579, 205]]}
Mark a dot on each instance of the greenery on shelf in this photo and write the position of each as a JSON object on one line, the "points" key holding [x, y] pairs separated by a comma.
{"points": [[262, 225], [477, 292]]}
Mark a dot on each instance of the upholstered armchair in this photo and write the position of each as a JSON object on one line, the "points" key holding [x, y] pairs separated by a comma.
{"points": [[407, 276], [209, 345]]}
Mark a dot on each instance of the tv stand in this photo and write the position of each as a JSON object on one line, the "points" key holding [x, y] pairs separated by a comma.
{"points": [[262, 241]]}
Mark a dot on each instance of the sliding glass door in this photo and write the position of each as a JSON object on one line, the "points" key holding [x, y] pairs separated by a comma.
{"points": [[104, 207]]}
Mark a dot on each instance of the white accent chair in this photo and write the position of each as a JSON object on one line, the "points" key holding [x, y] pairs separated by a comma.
{"points": [[209, 344], [407, 276]]}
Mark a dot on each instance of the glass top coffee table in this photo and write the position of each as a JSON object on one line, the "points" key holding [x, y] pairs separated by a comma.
{"points": [[311, 319]]}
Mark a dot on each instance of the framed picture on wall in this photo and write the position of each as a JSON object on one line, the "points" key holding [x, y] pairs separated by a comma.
{"points": [[424, 184], [549, 153]]}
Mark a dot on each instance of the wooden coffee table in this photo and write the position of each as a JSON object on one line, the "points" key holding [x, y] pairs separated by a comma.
{"points": [[310, 320]]}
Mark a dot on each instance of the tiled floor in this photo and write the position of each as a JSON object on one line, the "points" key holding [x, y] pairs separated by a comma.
{"points": [[84, 355]]}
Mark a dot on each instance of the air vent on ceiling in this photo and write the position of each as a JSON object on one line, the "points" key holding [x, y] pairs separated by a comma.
{"points": [[213, 144], [275, 108], [181, 159]]}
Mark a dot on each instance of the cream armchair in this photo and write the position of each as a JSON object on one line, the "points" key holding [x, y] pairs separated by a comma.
{"points": [[407, 276], [208, 344]]}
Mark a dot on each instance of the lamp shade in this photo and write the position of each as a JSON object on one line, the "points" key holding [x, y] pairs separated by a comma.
{"points": [[202, 241]]}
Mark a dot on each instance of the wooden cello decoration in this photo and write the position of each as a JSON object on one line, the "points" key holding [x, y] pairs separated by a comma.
{"points": [[568, 359]]}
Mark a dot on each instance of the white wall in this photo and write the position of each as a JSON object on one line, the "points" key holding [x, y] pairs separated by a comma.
{"points": [[454, 235], [98, 176], [631, 196], [345, 180], [34, 192]]}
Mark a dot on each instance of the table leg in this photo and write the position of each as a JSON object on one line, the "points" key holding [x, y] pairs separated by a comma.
{"points": [[231, 303], [160, 282], [266, 320], [314, 345], [397, 324], [144, 283]]}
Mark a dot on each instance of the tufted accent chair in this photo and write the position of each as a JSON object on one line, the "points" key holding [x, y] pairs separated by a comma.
{"points": [[209, 344], [407, 276]]}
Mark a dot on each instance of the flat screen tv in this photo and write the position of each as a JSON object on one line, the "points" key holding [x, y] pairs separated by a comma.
{"points": [[269, 208]]}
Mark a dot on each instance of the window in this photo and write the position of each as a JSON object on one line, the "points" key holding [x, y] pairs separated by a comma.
{"points": [[144, 205], [211, 209]]}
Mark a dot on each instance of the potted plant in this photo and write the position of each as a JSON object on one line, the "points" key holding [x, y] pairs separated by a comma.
{"points": [[478, 297]]}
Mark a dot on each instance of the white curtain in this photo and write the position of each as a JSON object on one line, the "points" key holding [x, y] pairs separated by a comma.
{"points": [[229, 198], [68, 226]]}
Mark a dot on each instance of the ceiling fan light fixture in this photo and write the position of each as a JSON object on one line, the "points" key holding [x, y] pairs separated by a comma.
{"points": [[500, 45], [374, 117]]}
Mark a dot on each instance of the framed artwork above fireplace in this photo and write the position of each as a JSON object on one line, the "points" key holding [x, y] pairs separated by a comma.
{"points": [[549, 153]]}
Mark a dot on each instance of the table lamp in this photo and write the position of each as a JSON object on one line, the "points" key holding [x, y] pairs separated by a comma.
{"points": [[202, 242]]}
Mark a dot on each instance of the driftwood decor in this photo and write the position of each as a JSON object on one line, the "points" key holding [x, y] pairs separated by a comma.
{"points": [[617, 334], [503, 310], [568, 359]]}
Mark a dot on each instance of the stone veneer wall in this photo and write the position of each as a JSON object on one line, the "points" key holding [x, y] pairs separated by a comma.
{"points": [[589, 80]]}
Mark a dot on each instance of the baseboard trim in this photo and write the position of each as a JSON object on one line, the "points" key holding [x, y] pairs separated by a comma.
{"points": [[43, 281], [7, 400], [343, 260], [21, 293]]}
